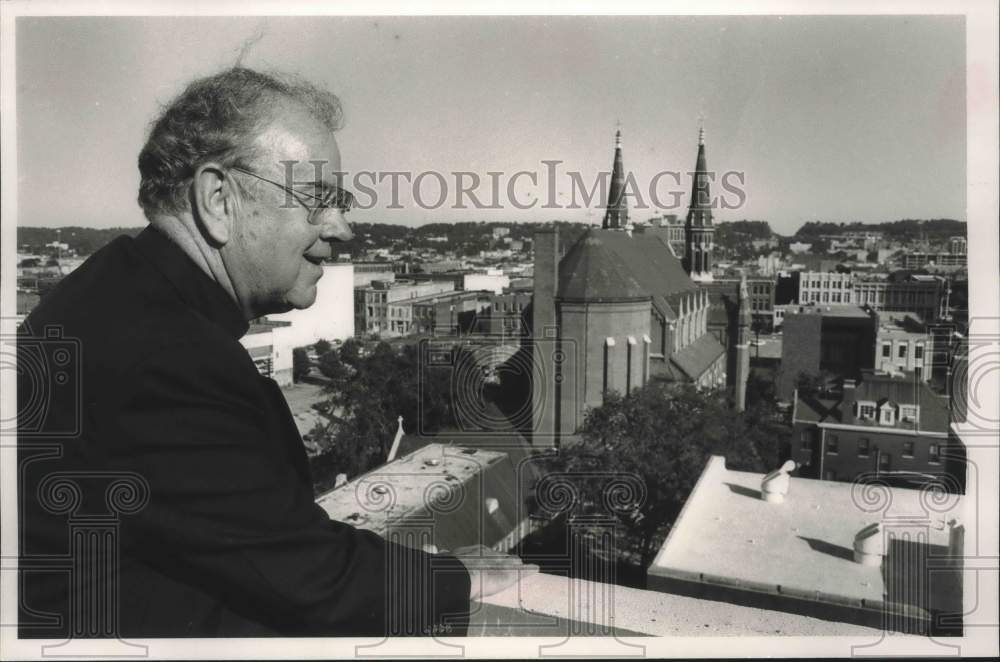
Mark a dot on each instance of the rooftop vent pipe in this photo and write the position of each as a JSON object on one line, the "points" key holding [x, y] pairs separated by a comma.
{"points": [[869, 546], [774, 487]]}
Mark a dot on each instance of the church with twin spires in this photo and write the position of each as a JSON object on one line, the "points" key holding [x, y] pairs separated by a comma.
{"points": [[620, 307]]}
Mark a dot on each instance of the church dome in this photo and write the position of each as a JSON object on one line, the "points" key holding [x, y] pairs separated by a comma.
{"points": [[591, 271]]}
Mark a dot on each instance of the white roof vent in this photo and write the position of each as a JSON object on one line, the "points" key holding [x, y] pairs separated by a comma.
{"points": [[774, 487], [869, 545]]}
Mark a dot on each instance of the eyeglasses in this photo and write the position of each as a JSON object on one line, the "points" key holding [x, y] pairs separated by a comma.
{"points": [[334, 197]]}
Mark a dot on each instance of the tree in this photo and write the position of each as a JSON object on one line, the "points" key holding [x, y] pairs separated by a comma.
{"points": [[368, 393], [331, 367], [300, 363], [350, 352], [663, 434], [322, 347]]}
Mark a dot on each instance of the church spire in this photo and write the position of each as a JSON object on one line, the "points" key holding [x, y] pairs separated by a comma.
{"points": [[700, 210], [698, 229], [616, 216], [744, 321]]}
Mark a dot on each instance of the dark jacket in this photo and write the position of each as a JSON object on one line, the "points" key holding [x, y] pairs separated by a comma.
{"points": [[157, 464]]}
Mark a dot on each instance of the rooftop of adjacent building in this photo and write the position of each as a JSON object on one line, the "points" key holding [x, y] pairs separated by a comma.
{"points": [[896, 321], [265, 325], [403, 492], [472, 495], [802, 547], [842, 310], [439, 297], [898, 389]]}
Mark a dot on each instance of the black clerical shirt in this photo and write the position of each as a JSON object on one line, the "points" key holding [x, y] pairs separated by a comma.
{"points": [[163, 486]]}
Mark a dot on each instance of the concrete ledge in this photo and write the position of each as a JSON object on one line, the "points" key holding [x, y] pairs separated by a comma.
{"points": [[550, 605]]}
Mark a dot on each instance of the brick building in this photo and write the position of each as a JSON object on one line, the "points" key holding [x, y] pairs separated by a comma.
{"points": [[889, 426], [925, 295], [833, 339], [825, 287]]}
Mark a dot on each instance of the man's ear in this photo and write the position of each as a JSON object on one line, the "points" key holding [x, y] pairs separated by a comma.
{"points": [[212, 201]]}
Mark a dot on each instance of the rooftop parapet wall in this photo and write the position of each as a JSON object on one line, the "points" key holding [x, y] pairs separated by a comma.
{"points": [[797, 555], [546, 605]]}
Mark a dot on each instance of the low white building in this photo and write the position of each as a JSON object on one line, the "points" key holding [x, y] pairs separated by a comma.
{"points": [[270, 346], [494, 280], [331, 317]]}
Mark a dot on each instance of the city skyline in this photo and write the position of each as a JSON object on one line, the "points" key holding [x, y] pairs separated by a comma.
{"points": [[870, 133]]}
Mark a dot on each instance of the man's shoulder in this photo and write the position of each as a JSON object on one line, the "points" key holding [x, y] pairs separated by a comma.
{"points": [[121, 311]]}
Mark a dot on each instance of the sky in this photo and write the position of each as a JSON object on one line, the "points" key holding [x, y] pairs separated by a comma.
{"points": [[827, 118]]}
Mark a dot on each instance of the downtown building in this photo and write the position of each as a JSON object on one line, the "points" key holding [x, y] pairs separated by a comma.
{"points": [[892, 427]]}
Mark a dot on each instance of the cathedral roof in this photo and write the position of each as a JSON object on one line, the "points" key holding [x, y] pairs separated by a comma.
{"points": [[611, 264], [695, 359], [590, 271]]}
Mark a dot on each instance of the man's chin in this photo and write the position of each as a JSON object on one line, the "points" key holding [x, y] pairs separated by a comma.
{"points": [[303, 298]]}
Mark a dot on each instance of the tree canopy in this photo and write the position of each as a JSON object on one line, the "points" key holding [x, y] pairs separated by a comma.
{"points": [[662, 434], [300, 363], [366, 395]]}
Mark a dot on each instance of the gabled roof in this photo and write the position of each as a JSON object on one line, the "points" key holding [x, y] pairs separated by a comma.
{"points": [[934, 415], [722, 293], [695, 359], [906, 390], [613, 264]]}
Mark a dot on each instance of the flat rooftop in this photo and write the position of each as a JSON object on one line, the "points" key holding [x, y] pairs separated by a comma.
{"points": [[447, 485], [828, 310], [801, 548]]}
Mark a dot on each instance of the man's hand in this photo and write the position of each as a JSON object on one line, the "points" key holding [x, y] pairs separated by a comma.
{"points": [[491, 571]]}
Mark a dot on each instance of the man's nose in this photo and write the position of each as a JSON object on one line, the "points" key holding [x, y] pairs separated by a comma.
{"points": [[334, 227]]}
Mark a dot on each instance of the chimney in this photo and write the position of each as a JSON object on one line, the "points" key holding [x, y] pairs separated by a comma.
{"points": [[543, 329], [869, 545], [774, 486], [848, 398]]}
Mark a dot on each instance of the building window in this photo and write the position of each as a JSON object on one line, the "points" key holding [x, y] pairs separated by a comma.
{"points": [[864, 446], [807, 440], [933, 454], [866, 411], [907, 449], [884, 461], [908, 412], [888, 416], [886, 350], [902, 351], [833, 445], [918, 352]]}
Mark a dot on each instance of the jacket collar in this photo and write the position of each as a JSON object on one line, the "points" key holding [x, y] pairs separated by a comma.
{"points": [[195, 287]]}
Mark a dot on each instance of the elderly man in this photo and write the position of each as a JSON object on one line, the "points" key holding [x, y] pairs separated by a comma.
{"points": [[218, 532]]}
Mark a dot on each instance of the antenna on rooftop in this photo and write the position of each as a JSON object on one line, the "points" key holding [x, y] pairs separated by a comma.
{"points": [[395, 442]]}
